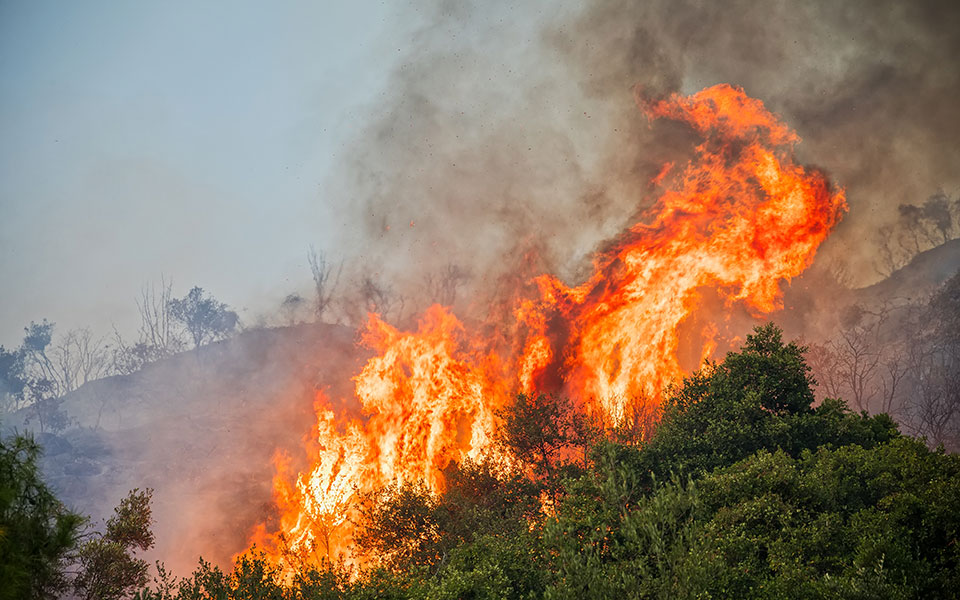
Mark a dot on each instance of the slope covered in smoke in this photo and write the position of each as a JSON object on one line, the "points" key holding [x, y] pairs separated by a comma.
{"points": [[814, 302], [201, 429], [927, 271]]}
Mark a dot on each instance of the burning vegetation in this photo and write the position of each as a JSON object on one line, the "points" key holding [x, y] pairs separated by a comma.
{"points": [[504, 407], [738, 219]]}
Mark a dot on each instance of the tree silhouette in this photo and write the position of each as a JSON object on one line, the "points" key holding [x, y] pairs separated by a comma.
{"points": [[205, 318]]}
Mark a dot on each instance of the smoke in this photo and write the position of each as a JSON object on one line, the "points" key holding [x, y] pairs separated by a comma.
{"points": [[508, 124], [200, 428], [218, 419]]}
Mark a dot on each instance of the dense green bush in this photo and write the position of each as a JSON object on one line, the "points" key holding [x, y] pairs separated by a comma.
{"points": [[849, 522]]}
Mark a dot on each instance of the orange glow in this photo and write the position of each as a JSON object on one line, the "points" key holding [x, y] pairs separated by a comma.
{"points": [[739, 217]]}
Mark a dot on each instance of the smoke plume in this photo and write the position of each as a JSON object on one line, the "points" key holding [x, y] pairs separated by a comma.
{"points": [[509, 125]]}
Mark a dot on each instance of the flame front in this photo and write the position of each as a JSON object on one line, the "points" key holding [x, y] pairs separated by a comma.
{"points": [[738, 218]]}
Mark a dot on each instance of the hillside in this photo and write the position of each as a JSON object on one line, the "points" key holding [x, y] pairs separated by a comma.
{"points": [[919, 277], [201, 429]]}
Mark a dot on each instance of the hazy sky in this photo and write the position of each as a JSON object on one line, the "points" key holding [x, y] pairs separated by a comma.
{"points": [[189, 139], [214, 142]]}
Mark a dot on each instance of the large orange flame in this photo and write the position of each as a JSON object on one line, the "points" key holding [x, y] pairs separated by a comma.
{"points": [[738, 218]]}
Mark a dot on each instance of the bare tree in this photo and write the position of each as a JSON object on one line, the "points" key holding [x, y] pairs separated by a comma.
{"points": [[826, 369], [158, 335], [890, 255], [376, 297], [442, 287], [38, 367], [857, 351], [158, 327], [935, 407], [933, 357], [640, 419], [79, 357], [864, 362], [325, 280], [44, 385]]}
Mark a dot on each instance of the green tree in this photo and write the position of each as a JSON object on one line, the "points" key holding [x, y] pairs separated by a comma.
{"points": [[494, 567], [548, 436], [485, 498], [405, 527], [849, 522], [624, 529], [399, 528], [37, 533], [747, 490], [758, 398], [107, 568], [254, 577]]}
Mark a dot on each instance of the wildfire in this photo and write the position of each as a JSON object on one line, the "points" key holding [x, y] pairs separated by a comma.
{"points": [[738, 218]]}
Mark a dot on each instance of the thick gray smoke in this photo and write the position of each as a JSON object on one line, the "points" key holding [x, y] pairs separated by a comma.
{"points": [[509, 124]]}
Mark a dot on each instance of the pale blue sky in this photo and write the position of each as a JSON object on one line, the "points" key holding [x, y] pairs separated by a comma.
{"points": [[190, 139]]}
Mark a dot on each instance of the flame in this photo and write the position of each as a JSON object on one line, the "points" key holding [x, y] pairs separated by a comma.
{"points": [[739, 217]]}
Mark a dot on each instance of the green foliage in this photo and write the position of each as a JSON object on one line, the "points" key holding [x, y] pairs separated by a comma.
{"points": [[253, 577], [399, 526], [40, 539], [405, 527], [37, 533], [108, 569], [849, 522], [758, 398], [486, 498], [548, 437], [492, 567]]}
